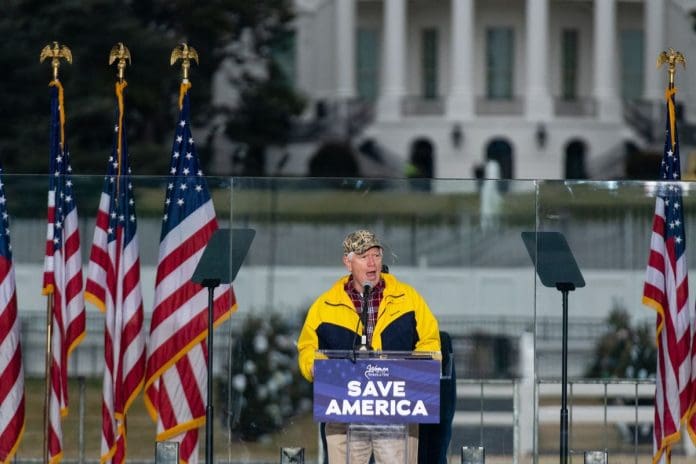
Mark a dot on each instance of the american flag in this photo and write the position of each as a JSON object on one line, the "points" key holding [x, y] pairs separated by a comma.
{"points": [[11, 371], [666, 290], [113, 285], [176, 376], [62, 279]]}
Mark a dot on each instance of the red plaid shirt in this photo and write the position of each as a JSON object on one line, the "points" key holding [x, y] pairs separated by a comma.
{"points": [[372, 304]]}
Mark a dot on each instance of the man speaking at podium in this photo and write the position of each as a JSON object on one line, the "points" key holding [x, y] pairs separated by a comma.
{"points": [[396, 318]]}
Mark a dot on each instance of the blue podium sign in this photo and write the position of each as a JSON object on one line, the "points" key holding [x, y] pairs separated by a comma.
{"points": [[377, 391]]}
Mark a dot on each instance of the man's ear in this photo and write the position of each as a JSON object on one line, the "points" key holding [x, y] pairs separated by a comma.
{"points": [[347, 263]]}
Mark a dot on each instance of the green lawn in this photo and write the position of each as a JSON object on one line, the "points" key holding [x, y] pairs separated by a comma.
{"points": [[141, 430]]}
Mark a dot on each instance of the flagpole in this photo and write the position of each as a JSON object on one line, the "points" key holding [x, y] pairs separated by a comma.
{"points": [[49, 357], [121, 53], [55, 51], [672, 58], [186, 54], [654, 291]]}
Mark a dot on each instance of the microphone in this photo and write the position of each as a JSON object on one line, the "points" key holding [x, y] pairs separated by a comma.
{"points": [[367, 288]]}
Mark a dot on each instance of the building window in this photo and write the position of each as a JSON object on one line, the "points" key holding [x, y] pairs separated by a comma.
{"points": [[499, 62], [632, 64], [569, 63], [575, 160], [429, 47], [501, 151], [283, 54], [367, 63]]}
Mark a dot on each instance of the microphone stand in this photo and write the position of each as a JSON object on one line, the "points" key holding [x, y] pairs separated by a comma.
{"points": [[220, 262], [364, 346], [356, 347]]}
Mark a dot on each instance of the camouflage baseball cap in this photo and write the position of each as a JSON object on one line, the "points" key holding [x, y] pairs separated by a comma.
{"points": [[360, 241]]}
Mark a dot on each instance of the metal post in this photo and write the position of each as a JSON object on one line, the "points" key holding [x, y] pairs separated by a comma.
{"points": [[81, 427], [596, 457], [515, 420], [167, 452], [535, 438], [209, 406], [564, 383], [292, 456], [635, 431], [481, 422], [570, 421], [473, 455], [606, 398], [321, 452], [49, 361]]}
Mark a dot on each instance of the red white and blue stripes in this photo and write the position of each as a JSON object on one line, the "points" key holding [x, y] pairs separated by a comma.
{"points": [[113, 285], [62, 280], [666, 290], [176, 380], [11, 370]]}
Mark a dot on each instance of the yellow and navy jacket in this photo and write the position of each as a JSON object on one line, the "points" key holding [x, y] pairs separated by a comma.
{"points": [[404, 323]]}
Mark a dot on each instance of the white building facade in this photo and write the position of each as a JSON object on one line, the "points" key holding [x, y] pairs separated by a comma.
{"points": [[548, 88]]}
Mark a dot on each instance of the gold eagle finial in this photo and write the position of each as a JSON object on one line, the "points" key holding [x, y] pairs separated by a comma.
{"points": [[121, 53], [672, 58], [55, 51], [186, 54]]}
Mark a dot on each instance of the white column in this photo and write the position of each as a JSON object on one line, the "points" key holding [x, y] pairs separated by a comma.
{"points": [[461, 98], [655, 81], [605, 56], [538, 105], [393, 68], [304, 54], [345, 49]]}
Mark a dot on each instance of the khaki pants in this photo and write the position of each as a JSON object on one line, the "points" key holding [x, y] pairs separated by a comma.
{"points": [[385, 450]]}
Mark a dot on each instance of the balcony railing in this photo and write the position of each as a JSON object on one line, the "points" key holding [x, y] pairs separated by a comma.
{"points": [[577, 107], [499, 107], [420, 106]]}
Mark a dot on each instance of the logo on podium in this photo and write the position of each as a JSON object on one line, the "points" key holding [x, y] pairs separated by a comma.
{"points": [[377, 391]]}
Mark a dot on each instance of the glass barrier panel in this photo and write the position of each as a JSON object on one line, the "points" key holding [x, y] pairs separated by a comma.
{"points": [[456, 241], [611, 348]]}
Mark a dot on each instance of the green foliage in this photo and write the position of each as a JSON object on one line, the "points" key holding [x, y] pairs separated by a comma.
{"points": [[624, 351], [90, 29], [265, 388], [150, 29], [265, 110], [263, 117]]}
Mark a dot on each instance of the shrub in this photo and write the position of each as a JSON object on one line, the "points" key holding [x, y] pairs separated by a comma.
{"points": [[624, 351], [264, 387]]}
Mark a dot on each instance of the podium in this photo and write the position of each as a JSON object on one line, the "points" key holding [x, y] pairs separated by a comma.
{"points": [[376, 398]]}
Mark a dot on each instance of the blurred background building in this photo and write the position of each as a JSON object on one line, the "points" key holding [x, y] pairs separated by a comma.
{"points": [[547, 88], [354, 89]]}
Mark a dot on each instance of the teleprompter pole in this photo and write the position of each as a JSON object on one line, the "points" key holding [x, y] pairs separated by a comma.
{"points": [[219, 264], [210, 284], [564, 288], [556, 267]]}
